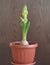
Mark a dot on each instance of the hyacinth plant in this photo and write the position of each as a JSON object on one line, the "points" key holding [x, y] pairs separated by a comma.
{"points": [[25, 24]]}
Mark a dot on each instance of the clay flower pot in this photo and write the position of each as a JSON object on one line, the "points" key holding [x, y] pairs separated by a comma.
{"points": [[23, 54]]}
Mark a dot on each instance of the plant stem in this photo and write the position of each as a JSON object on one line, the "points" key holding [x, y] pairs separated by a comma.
{"points": [[24, 36]]}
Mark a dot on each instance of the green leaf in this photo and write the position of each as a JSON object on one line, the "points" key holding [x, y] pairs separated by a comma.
{"points": [[27, 26]]}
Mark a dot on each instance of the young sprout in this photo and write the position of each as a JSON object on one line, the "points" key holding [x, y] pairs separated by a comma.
{"points": [[25, 24]]}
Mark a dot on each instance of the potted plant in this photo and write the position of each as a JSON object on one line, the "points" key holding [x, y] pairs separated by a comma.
{"points": [[23, 53]]}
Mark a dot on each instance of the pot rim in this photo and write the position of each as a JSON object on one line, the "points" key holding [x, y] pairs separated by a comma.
{"points": [[31, 45]]}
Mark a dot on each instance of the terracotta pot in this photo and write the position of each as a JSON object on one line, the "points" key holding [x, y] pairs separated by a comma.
{"points": [[23, 54], [23, 64]]}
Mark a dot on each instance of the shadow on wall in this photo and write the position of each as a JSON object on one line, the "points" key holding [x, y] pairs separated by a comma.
{"points": [[5, 54]]}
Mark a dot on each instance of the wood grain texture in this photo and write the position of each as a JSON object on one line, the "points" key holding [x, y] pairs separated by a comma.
{"points": [[39, 16]]}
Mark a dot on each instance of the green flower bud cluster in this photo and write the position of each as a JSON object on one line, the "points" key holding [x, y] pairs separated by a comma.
{"points": [[24, 22]]}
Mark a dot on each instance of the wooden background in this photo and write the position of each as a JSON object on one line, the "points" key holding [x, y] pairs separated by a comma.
{"points": [[39, 16]]}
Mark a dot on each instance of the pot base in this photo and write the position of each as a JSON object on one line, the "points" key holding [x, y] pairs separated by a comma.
{"points": [[23, 64]]}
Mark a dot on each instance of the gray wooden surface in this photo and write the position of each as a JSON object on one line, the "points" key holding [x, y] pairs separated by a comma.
{"points": [[39, 16]]}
